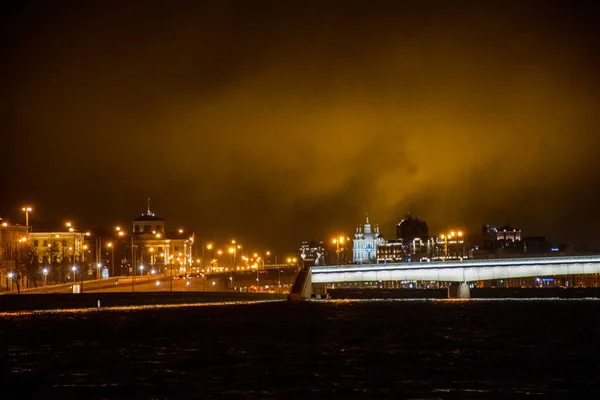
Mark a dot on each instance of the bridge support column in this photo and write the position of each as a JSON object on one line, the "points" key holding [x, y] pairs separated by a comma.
{"points": [[459, 291], [319, 290]]}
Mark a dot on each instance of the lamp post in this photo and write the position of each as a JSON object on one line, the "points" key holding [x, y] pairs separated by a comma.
{"points": [[452, 234], [278, 281], [9, 276], [112, 260], [27, 210], [45, 276], [268, 253], [232, 252], [74, 268], [257, 278], [121, 233], [132, 265], [210, 247], [339, 242], [445, 239]]}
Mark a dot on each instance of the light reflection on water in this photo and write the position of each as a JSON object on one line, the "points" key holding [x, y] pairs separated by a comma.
{"points": [[129, 308], [340, 349]]}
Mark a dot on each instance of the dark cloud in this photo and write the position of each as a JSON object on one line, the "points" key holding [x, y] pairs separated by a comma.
{"points": [[276, 122]]}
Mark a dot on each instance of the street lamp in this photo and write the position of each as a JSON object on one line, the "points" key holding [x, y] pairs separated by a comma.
{"points": [[133, 267], [10, 276], [45, 276], [27, 210], [339, 243], [211, 247], [445, 239], [112, 262], [455, 235], [74, 268], [232, 252]]}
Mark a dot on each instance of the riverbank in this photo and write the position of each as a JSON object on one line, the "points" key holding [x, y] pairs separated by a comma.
{"points": [[477, 293], [32, 302]]}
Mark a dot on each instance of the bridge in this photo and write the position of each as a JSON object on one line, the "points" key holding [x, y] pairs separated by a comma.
{"points": [[452, 272]]}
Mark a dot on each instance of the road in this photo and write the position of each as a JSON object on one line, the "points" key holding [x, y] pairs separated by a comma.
{"points": [[240, 282]]}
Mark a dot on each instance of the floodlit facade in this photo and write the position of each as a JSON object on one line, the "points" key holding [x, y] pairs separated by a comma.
{"points": [[365, 244], [158, 249], [12, 246]]}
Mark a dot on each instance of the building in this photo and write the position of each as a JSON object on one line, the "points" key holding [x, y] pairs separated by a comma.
{"points": [[365, 244], [59, 251], [411, 228], [13, 246], [392, 251], [537, 245], [158, 250], [505, 233], [313, 252]]}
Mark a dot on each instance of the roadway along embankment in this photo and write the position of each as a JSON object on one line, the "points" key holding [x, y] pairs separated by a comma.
{"points": [[90, 300]]}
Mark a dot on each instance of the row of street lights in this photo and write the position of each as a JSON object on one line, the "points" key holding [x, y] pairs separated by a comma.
{"points": [[449, 236]]}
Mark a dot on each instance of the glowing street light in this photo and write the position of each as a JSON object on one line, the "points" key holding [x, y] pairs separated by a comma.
{"points": [[27, 210], [339, 248], [112, 260]]}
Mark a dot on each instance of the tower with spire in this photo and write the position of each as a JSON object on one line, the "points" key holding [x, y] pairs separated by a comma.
{"points": [[160, 250], [366, 240]]}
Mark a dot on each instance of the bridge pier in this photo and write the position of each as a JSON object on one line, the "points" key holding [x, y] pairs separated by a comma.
{"points": [[459, 291], [319, 290]]}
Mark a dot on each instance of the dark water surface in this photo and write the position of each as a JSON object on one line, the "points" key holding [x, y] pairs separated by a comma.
{"points": [[336, 349]]}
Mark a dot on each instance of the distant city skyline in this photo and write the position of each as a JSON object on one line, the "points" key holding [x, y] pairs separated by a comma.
{"points": [[388, 232]]}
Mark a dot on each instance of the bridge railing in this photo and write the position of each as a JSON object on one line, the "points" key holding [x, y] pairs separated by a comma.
{"points": [[461, 264]]}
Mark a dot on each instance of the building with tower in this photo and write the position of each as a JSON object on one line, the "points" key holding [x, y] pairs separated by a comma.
{"points": [[365, 244], [411, 228], [158, 249]]}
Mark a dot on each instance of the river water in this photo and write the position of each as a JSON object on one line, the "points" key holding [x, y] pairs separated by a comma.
{"points": [[332, 349]]}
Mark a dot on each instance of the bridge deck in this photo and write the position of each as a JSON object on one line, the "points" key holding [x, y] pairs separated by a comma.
{"points": [[472, 270]]}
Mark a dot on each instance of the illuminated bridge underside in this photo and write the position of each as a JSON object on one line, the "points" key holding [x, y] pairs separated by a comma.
{"points": [[468, 271]]}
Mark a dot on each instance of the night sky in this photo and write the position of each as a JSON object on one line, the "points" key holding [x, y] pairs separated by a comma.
{"points": [[274, 122]]}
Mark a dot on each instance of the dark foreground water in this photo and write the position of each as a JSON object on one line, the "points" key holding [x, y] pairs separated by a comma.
{"points": [[342, 349]]}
